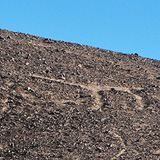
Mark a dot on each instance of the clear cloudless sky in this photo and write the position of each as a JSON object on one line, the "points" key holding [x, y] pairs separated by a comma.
{"points": [[128, 26]]}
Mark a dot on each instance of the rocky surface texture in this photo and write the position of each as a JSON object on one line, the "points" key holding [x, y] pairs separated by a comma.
{"points": [[68, 101]]}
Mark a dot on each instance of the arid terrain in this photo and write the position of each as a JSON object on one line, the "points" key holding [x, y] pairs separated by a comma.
{"points": [[61, 100]]}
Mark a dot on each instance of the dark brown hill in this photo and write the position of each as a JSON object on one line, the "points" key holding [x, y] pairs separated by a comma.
{"points": [[67, 101]]}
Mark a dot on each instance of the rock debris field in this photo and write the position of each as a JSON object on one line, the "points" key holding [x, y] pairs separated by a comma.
{"points": [[61, 100]]}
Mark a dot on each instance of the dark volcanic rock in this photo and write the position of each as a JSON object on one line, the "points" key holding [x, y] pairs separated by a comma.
{"points": [[62, 100]]}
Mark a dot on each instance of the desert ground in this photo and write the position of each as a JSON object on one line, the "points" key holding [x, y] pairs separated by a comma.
{"points": [[60, 100]]}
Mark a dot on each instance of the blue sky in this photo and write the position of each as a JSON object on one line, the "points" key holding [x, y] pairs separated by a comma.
{"points": [[128, 26]]}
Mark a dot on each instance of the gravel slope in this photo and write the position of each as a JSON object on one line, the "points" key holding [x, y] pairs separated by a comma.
{"points": [[61, 100]]}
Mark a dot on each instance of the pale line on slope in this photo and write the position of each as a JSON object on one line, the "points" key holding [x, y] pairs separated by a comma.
{"points": [[92, 88], [122, 144], [95, 88]]}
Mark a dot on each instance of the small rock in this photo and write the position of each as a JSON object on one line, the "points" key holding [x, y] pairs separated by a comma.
{"points": [[157, 152], [80, 65]]}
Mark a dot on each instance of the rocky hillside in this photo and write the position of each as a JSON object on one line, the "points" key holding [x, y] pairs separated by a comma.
{"points": [[61, 100]]}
